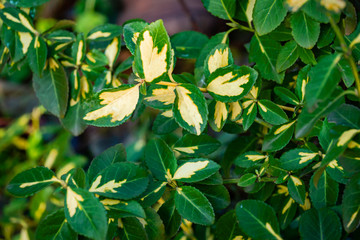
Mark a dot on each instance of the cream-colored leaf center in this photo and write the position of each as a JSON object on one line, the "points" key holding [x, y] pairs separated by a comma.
{"points": [[188, 169], [118, 105], [224, 87], [106, 187], [164, 95], [73, 201], [220, 114], [153, 60], [219, 59], [188, 109]]}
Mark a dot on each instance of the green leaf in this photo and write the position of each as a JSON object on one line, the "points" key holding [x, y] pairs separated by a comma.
{"points": [[264, 52], [153, 55], [287, 56], [73, 119], [326, 192], [152, 194], [114, 154], [195, 170], [104, 32], [218, 57], [164, 123], [297, 158], [230, 84], [190, 109], [346, 73], [217, 195], [17, 20], [286, 95], [314, 9], [132, 229], [257, 220], [224, 9], [122, 180], [227, 227], [249, 159], [132, 31], [297, 189], [281, 33], [307, 56], [78, 49], [268, 14], [287, 213], [31, 181], [120, 209], [324, 78], [170, 217], [55, 227], [111, 107], [192, 145], [351, 204], [96, 58], [188, 44], [249, 114], [52, 88], [37, 55], [320, 224], [278, 137], [247, 180], [305, 30], [301, 82], [308, 119], [271, 113], [85, 214], [193, 206], [346, 115], [154, 226], [326, 37], [244, 10], [160, 159], [75, 178], [214, 179]]}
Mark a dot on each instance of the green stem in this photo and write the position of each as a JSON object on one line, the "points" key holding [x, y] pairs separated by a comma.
{"points": [[231, 180], [262, 122], [347, 52], [227, 35]]}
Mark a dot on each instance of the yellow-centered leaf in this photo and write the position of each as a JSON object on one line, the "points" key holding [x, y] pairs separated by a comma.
{"points": [[189, 169], [117, 104], [153, 59]]}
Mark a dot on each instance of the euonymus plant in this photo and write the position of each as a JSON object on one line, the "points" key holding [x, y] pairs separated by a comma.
{"points": [[293, 168]]}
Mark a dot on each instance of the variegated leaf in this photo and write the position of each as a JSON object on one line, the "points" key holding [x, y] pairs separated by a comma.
{"points": [[232, 83], [112, 107], [122, 180], [195, 170], [190, 109], [153, 55]]}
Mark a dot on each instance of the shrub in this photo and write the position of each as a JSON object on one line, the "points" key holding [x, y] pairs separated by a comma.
{"points": [[290, 167]]}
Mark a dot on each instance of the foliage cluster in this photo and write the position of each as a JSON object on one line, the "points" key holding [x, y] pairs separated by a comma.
{"points": [[294, 114]]}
